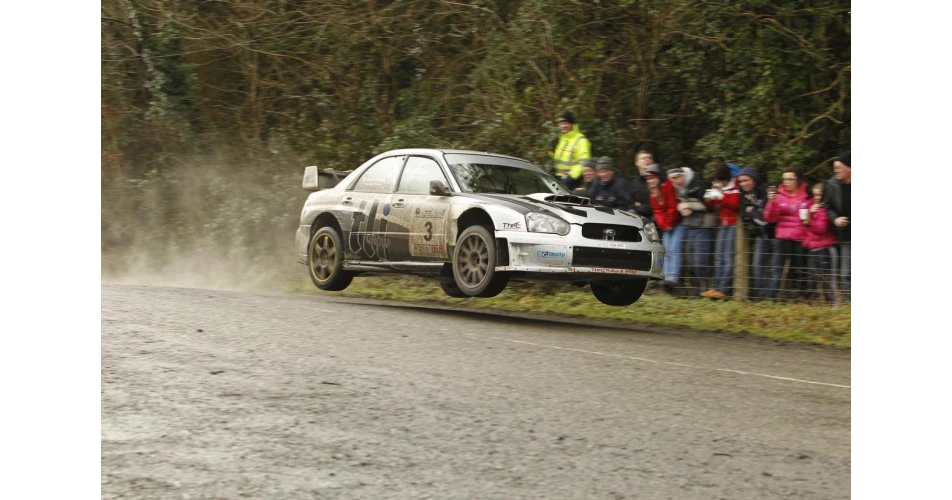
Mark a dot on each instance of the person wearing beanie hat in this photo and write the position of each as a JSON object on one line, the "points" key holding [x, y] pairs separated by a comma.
{"points": [[837, 195], [843, 158], [753, 199], [571, 150], [612, 188]]}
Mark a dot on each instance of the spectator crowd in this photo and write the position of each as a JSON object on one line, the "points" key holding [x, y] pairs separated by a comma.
{"points": [[797, 236]]}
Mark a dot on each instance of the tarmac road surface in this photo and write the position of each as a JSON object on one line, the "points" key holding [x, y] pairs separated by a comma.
{"points": [[217, 394]]}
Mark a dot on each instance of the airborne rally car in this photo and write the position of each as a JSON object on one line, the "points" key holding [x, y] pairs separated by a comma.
{"points": [[472, 221]]}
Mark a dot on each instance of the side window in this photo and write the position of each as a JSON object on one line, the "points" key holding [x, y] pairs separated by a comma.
{"points": [[381, 176], [418, 174]]}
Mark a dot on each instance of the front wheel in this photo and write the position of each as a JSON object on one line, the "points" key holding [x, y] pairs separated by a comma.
{"points": [[474, 264], [619, 293], [325, 261], [453, 291]]}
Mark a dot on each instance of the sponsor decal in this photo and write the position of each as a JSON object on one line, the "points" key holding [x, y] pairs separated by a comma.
{"points": [[386, 210], [428, 249], [605, 270], [511, 225], [430, 212], [547, 254], [376, 241], [616, 245]]}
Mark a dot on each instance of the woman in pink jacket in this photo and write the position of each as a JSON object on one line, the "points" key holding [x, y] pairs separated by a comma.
{"points": [[820, 245], [784, 208]]}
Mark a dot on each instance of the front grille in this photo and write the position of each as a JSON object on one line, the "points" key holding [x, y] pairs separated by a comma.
{"points": [[622, 233], [612, 257]]}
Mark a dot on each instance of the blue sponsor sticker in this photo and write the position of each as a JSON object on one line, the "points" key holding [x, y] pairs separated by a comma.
{"points": [[547, 254], [386, 209]]}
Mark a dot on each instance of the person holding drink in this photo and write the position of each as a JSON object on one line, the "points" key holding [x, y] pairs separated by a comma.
{"points": [[787, 207]]}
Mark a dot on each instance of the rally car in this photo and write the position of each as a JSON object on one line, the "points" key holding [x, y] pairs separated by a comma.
{"points": [[472, 221]]}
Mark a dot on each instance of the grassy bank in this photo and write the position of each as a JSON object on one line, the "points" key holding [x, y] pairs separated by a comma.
{"points": [[789, 322]]}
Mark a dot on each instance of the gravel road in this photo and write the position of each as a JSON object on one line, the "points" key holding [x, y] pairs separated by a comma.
{"points": [[218, 394]]}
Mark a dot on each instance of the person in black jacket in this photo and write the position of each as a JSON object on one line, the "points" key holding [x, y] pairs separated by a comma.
{"points": [[764, 278], [837, 195], [612, 189], [641, 199]]}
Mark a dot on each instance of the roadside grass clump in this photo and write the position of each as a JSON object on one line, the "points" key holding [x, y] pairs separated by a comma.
{"points": [[790, 322]]}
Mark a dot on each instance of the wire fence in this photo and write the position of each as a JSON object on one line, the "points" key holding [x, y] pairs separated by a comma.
{"points": [[735, 265]]}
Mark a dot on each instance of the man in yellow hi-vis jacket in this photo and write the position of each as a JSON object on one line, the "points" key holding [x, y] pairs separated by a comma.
{"points": [[571, 151]]}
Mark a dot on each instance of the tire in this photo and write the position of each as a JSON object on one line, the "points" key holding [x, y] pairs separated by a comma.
{"points": [[474, 264], [325, 261], [619, 293], [453, 291]]}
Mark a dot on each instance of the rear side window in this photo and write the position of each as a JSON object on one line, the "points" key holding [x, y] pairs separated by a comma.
{"points": [[381, 177], [417, 175]]}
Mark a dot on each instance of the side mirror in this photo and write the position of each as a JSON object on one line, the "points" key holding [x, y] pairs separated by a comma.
{"points": [[437, 188]]}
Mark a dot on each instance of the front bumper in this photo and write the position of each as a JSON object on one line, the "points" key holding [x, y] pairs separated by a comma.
{"points": [[601, 259]]}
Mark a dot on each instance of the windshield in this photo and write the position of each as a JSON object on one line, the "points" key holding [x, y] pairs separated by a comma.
{"points": [[489, 174]]}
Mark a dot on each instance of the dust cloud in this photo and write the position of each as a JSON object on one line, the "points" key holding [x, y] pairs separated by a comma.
{"points": [[206, 224]]}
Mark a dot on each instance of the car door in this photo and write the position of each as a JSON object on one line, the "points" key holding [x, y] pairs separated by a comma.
{"points": [[368, 203], [417, 220]]}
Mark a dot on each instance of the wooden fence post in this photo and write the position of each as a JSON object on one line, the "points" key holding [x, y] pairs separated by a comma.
{"points": [[741, 263]]}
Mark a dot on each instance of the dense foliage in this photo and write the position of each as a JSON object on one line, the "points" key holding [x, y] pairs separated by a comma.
{"points": [[763, 83]]}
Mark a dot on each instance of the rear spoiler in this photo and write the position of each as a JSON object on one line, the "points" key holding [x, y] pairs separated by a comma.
{"points": [[316, 179]]}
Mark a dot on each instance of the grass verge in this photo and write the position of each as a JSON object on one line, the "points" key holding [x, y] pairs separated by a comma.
{"points": [[792, 322]]}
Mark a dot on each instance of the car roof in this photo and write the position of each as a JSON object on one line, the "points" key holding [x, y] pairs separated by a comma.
{"points": [[451, 151]]}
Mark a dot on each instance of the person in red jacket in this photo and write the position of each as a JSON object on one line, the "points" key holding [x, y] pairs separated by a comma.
{"points": [[783, 208], [820, 244], [724, 199], [664, 204]]}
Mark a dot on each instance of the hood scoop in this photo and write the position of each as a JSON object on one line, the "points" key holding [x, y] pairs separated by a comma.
{"points": [[561, 198]]}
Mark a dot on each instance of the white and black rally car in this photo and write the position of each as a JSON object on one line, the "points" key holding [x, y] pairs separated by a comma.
{"points": [[472, 221]]}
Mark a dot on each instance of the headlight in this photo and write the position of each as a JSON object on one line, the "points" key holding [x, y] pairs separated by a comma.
{"points": [[542, 223], [651, 231]]}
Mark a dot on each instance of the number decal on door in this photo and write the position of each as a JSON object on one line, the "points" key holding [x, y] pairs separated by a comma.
{"points": [[429, 231]]}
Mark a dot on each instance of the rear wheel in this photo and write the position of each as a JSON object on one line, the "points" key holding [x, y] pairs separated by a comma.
{"points": [[619, 293], [474, 264], [325, 261]]}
